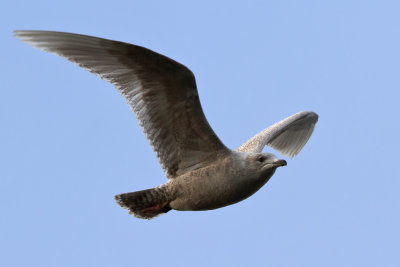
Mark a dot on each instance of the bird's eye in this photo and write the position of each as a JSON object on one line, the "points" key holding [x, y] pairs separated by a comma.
{"points": [[260, 159]]}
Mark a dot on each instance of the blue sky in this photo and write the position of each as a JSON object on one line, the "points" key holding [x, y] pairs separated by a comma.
{"points": [[69, 142]]}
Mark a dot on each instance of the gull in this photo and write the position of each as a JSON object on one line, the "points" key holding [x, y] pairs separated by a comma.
{"points": [[202, 173]]}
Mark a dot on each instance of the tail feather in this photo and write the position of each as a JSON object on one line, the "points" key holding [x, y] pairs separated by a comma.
{"points": [[145, 204]]}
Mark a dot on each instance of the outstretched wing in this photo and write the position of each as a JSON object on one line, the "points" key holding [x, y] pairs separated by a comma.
{"points": [[287, 136], [161, 92]]}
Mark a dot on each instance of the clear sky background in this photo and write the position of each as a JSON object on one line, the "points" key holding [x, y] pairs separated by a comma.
{"points": [[69, 142]]}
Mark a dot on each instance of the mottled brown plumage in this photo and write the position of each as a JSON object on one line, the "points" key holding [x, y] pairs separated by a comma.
{"points": [[202, 173]]}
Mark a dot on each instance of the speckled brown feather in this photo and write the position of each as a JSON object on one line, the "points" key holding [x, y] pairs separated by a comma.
{"points": [[163, 95], [161, 92]]}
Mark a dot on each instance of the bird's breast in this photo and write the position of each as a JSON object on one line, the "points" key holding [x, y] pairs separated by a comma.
{"points": [[212, 188]]}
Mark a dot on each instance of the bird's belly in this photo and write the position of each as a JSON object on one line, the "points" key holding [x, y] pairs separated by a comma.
{"points": [[214, 192]]}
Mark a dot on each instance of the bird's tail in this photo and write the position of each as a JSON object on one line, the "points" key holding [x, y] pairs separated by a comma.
{"points": [[145, 204]]}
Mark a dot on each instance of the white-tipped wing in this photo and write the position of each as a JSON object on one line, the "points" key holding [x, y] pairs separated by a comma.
{"points": [[287, 136], [161, 92]]}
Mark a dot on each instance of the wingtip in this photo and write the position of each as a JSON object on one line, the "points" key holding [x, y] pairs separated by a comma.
{"points": [[313, 115], [23, 34], [16, 33], [309, 114], [20, 34]]}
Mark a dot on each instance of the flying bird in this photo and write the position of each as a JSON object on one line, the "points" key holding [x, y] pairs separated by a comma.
{"points": [[202, 173]]}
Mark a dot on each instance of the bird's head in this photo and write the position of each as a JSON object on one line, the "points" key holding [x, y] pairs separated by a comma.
{"points": [[263, 165]]}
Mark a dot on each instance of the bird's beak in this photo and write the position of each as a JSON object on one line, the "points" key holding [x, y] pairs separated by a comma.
{"points": [[279, 163]]}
